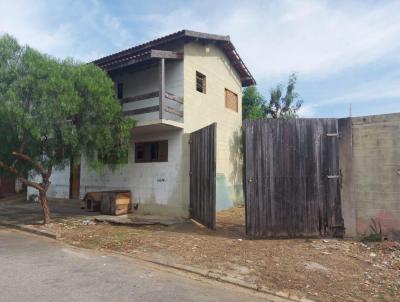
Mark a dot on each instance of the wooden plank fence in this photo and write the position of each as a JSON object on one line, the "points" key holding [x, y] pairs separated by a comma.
{"points": [[291, 178]]}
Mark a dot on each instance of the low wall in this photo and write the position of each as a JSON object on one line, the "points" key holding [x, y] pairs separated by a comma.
{"points": [[370, 167]]}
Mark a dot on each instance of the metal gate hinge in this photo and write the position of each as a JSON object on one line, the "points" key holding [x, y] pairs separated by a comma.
{"points": [[333, 176]]}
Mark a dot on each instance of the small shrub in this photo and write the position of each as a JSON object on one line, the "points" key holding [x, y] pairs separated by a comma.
{"points": [[375, 234]]}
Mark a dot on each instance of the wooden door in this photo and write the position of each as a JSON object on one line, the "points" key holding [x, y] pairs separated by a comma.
{"points": [[203, 175]]}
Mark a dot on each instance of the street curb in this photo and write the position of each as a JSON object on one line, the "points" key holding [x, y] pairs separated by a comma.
{"points": [[274, 296], [30, 229]]}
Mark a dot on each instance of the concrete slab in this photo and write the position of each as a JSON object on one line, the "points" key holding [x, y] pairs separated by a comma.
{"points": [[138, 220]]}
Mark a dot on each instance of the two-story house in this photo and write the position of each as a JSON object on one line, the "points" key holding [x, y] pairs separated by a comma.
{"points": [[171, 86]]}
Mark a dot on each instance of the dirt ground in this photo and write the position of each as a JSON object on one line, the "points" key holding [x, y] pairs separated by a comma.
{"points": [[320, 269]]}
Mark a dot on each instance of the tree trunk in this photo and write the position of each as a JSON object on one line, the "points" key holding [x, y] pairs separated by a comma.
{"points": [[45, 206]]}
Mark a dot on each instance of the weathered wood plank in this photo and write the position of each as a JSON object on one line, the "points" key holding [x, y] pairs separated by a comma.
{"points": [[173, 97], [140, 97], [141, 110], [161, 93], [126, 63], [203, 176], [166, 54], [173, 111]]}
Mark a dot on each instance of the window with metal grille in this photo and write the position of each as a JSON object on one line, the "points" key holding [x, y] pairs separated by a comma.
{"points": [[120, 90], [151, 152], [200, 82], [231, 100]]}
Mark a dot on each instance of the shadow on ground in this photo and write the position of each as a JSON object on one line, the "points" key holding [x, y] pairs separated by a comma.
{"points": [[17, 210]]}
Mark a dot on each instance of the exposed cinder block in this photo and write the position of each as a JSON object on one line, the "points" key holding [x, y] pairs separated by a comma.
{"points": [[372, 184]]}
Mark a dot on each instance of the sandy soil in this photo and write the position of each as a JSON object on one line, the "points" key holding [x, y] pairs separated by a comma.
{"points": [[320, 269]]}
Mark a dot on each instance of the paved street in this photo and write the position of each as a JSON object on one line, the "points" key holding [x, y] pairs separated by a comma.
{"points": [[35, 268]]}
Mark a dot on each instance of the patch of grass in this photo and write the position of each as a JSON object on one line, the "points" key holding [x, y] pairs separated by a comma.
{"points": [[375, 232], [372, 238]]}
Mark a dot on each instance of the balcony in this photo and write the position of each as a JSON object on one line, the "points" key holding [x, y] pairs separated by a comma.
{"points": [[147, 73], [149, 109]]}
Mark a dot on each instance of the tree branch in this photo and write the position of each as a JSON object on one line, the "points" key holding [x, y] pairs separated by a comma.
{"points": [[37, 166], [21, 177], [32, 184]]}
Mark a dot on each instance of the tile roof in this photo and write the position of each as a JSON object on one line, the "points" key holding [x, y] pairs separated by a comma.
{"points": [[141, 52]]}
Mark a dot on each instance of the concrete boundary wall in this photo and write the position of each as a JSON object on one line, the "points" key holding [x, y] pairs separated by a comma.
{"points": [[370, 168]]}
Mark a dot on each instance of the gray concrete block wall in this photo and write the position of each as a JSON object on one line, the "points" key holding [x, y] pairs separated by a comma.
{"points": [[371, 174]]}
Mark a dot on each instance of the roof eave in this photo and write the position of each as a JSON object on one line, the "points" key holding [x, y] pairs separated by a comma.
{"points": [[224, 41]]}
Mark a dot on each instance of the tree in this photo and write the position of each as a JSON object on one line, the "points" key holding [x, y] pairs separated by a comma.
{"points": [[287, 106], [278, 106], [52, 111], [252, 103]]}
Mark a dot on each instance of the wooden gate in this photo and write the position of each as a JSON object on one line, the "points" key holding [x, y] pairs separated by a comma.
{"points": [[203, 175], [292, 178]]}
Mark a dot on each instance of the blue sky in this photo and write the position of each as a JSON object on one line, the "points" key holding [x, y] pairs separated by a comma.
{"points": [[345, 52]]}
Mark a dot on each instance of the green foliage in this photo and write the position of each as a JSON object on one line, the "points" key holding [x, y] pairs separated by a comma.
{"points": [[58, 109], [252, 104], [278, 106]]}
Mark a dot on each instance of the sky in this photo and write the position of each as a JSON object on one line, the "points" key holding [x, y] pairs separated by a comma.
{"points": [[345, 53]]}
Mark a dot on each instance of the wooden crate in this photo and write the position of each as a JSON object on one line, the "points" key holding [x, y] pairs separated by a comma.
{"points": [[116, 202]]}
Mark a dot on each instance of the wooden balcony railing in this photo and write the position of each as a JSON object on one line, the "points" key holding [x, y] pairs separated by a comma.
{"points": [[171, 104]]}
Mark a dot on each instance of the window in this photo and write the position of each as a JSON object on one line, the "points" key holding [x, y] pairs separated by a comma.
{"points": [[151, 152], [120, 91], [200, 82], [231, 100]]}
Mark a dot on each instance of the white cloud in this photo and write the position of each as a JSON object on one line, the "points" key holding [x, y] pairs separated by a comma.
{"points": [[307, 111], [313, 38], [275, 38], [379, 94], [73, 28], [23, 20], [317, 39], [371, 90]]}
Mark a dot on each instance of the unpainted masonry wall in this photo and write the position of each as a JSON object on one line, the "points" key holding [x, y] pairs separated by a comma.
{"points": [[370, 165], [203, 109]]}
